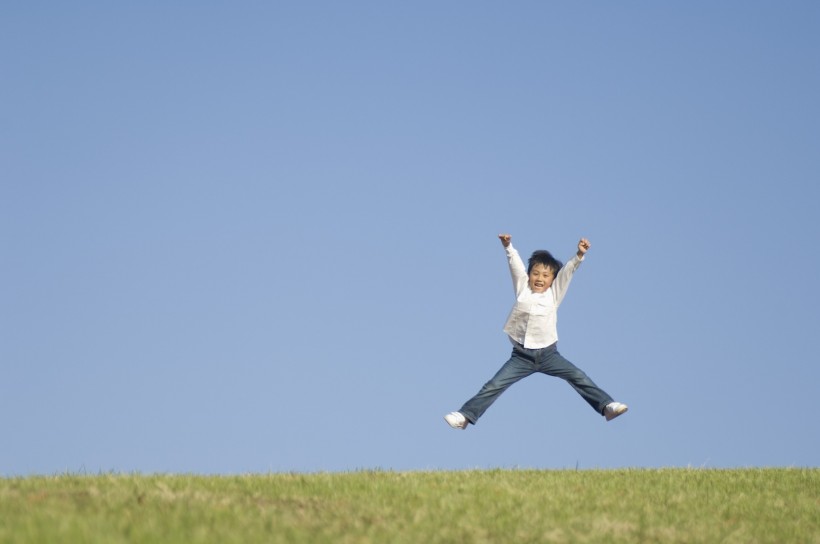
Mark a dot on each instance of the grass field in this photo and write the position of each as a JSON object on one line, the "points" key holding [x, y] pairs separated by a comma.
{"points": [[668, 505]]}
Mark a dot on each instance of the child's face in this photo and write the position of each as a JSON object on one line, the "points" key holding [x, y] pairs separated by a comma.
{"points": [[540, 278]]}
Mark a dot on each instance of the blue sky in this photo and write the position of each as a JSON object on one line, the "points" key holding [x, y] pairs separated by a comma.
{"points": [[261, 236]]}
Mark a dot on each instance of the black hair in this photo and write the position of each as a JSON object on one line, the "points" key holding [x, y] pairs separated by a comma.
{"points": [[542, 256]]}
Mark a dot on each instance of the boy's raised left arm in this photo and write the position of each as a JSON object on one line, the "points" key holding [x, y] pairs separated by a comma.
{"points": [[564, 276], [583, 247]]}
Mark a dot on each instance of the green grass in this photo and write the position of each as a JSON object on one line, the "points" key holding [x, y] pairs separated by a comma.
{"points": [[669, 505]]}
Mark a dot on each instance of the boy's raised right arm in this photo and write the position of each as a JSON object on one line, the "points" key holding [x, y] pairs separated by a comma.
{"points": [[517, 269]]}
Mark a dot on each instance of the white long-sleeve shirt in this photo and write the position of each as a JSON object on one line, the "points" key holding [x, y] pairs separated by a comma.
{"points": [[533, 321]]}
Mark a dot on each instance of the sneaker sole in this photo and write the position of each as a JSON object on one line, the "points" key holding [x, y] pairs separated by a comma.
{"points": [[461, 427], [613, 416]]}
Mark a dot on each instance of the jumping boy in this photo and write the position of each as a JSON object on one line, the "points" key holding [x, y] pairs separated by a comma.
{"points": [[532, 329]]}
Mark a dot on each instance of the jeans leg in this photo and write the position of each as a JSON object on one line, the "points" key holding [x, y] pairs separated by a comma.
{"points": [[515, 369], [554, 364]]}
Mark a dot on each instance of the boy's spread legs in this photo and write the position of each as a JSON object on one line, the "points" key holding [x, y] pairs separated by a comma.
{"points": [[525, 362]]}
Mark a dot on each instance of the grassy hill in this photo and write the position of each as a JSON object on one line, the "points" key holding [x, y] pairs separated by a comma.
{"points": [[668, 505]]}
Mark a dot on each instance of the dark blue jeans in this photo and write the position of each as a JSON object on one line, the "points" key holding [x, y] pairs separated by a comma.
{"points": [[525, 362]]}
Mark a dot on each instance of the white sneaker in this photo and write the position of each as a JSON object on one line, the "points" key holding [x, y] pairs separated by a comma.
{"points": [[614, 409], [456, 420]]}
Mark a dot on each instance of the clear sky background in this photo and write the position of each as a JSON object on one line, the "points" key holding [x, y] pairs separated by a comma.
{"points": [[261, 236]]}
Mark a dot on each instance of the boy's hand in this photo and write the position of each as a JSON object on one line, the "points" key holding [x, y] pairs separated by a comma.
{"points": [[583, 246], [505, 239]]}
